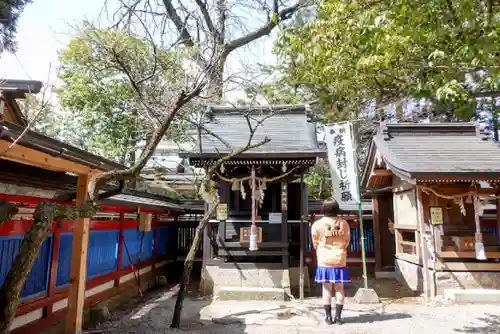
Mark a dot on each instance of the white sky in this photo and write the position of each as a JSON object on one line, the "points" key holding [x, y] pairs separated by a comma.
{"points": [[45, 27]]}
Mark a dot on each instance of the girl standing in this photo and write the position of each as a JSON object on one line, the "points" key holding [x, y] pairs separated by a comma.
{"points": [[331, 236]]}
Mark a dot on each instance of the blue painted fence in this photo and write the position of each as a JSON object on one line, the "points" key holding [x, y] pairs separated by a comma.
{"points": [[102, 255], [37, 281]]}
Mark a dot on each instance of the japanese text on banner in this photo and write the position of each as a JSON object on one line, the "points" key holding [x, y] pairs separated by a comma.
{"points": [[341, 161]]}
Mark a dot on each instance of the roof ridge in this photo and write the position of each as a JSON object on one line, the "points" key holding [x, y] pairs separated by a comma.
{"points": [[239, 109]]}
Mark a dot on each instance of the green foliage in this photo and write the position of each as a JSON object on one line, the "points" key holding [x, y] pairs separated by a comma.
{"points": [[10, 11], [360, 51], [99, 71], [318, 181]]}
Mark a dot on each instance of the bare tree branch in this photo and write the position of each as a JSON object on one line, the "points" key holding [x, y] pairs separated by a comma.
{"points": [[206, 16], [181, 27], [266, 29]]}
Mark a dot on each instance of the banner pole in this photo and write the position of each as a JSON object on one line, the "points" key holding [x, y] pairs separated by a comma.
{"points": [[360, 207]]}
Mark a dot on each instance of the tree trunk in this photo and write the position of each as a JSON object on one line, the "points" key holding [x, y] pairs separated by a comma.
{"points": [[14, 282], [188, 266], [45, 214], [215, 87]]}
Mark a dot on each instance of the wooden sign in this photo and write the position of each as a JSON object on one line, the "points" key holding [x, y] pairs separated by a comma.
{"points": [[284, 196], [222, 211], [436, 215], [245, 234], [275, 218], [145, 219]]}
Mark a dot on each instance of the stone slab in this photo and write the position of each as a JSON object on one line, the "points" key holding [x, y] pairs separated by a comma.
{"points": [[473, 296], [366, 296], [250, 293]]}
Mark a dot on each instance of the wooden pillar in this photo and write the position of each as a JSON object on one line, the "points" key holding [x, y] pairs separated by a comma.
{"points": [[76, 295], [303, 222], [498, 216], [376, 233], [284, 221], [424, 251], [53, 262], [120, 248]]}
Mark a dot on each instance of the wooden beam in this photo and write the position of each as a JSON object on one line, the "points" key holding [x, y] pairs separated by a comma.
{"points": [[246, 252], [466, 255], [28, 156], [381, 172], [76, 296]]}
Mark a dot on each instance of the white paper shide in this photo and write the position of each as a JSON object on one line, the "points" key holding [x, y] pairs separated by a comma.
{"points": [[341, 160]]}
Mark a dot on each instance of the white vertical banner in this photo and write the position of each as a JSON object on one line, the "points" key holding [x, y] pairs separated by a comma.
{"points": [[339, 142]]}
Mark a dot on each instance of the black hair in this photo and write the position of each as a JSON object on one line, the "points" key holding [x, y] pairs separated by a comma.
{"points": [[330, 208]]}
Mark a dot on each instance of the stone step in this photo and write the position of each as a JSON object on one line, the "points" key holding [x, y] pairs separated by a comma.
{"points": [[250, 293], [385, 274], [473, 296]]}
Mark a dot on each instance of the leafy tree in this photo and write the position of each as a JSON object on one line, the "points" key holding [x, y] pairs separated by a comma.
{"points": [[357, 53], [106, 110], [10, 11]]}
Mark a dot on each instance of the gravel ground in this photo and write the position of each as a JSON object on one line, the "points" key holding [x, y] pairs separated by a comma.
{"points": [[406, 316]]}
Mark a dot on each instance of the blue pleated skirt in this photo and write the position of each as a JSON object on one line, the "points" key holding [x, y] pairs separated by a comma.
{"points": [[332, 275]]}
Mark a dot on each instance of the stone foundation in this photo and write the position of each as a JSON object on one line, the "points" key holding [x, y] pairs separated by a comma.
{"points": [[411, 275], [237, 282]]}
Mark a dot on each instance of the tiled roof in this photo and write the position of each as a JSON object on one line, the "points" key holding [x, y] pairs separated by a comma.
{"points": [[430, 150], [288, 129]]}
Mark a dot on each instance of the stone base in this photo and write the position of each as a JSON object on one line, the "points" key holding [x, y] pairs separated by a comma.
{"points": [[366, 296], [411, 274], [239, 283]]}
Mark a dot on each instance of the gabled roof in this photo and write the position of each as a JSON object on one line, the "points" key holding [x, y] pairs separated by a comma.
{"points": [[287, 126], [10, 90], [429, 151]]}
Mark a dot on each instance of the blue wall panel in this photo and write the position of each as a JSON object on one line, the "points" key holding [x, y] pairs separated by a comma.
{"points": [[64, 260], [355, 245], [132, 239], [37, 281], [492, 230], [103, 252], [166, 240]]}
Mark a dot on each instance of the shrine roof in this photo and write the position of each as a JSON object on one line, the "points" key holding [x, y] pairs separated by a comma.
{"points": [[429, 151], [291, 133]]}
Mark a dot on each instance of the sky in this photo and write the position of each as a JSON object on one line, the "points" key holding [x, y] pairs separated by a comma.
{"points": [[46, 27]]}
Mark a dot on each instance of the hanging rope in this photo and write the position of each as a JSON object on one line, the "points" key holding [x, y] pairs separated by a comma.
{"points": [[261, 179]]}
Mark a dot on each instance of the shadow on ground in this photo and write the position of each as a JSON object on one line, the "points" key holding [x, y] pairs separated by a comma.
{"points": [[371, 317], [490, 324], [153, 314]]}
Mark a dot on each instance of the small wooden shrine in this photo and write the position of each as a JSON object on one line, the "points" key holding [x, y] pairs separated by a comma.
{"points": [[232, 266], [429, 184]]}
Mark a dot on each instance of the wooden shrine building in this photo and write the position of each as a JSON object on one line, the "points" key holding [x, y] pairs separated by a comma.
{"points": [[430, 183], [230, 269]]}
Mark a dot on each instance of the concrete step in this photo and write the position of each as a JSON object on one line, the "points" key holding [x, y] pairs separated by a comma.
{"points": [[385, 274], [250, 293], [473, 296]]}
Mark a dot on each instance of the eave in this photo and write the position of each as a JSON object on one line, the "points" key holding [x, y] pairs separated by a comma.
{"points": [[38, 150]]}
